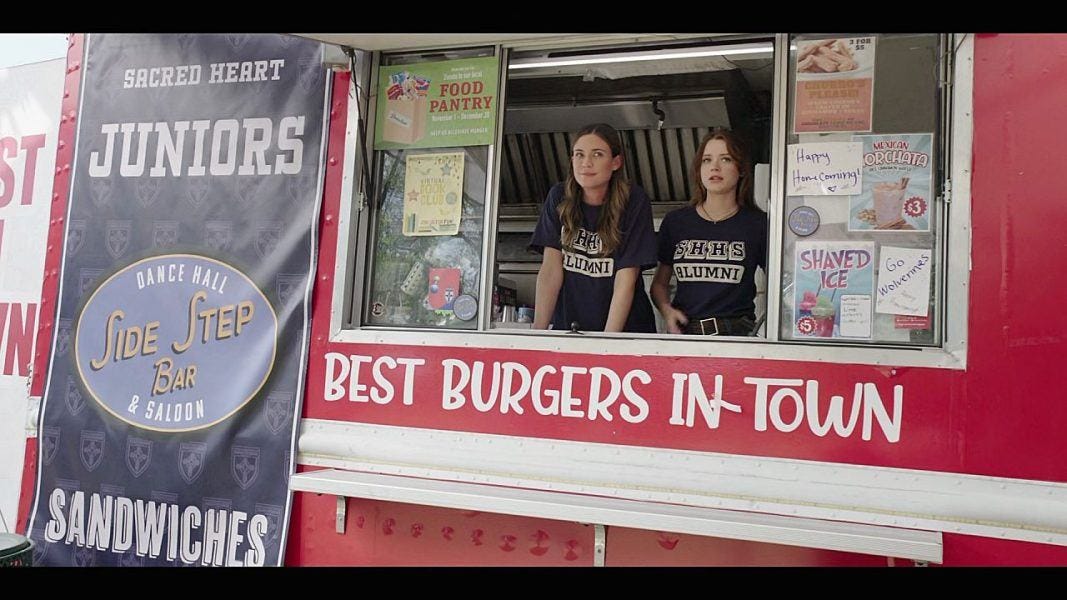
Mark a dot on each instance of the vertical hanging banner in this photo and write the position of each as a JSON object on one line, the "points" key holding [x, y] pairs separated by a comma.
{"points": [[30, 97], [169, 418]]}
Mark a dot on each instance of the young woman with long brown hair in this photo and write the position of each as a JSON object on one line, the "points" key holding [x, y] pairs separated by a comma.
{"points": [[714, 245], [596, 236]]}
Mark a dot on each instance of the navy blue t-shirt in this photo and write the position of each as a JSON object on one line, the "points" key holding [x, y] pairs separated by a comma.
{"points": [[589, 280], [714, 263]]}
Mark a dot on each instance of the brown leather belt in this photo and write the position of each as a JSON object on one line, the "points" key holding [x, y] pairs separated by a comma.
{"points": [[721, 326]]}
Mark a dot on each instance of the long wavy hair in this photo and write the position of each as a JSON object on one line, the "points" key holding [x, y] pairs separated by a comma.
{"points": [[738, 151], [570, 209]]}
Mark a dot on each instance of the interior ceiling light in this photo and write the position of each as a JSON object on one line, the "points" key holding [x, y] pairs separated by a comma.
{"points": [[749, 50]]}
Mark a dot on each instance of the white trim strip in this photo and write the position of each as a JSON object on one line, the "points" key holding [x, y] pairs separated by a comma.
{"points": [[775, 529], [345, 222], [1017, 509], [635, 344], [958, 232]]}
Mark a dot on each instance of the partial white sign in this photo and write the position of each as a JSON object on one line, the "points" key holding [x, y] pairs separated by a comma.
{"points": [[856, 316], [30, 99]]}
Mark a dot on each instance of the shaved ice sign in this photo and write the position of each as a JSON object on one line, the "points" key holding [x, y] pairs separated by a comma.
{"points": [[834, 285]]}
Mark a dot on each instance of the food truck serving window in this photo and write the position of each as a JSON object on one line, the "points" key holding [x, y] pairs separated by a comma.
{"points": [[849, 136]]}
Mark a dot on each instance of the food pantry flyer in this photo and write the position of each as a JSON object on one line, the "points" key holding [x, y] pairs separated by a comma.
{"points": [[896, 192], [437, 104], [835, 85], [833, 289]]}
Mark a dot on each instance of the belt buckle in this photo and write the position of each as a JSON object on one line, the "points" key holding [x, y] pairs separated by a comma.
{"points": [[714, 321]]}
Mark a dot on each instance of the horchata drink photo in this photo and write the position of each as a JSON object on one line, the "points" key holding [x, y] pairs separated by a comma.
{"points": [[896, 194], [889, 202]]}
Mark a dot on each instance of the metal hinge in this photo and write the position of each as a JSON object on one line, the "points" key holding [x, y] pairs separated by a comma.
{"points": [[600, 538], [342, 505], [946, 191]]}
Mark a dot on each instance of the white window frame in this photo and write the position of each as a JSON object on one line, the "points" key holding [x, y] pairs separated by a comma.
{"points": [[952, 354]]}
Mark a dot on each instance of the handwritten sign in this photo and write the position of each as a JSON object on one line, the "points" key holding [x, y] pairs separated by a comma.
{"points": [[904, 281], [856, 316], [824, 169]]}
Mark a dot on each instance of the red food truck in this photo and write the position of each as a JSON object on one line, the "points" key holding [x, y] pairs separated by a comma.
{"points": [[893, 407]]}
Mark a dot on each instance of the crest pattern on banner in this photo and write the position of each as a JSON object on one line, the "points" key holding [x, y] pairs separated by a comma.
{"points": [[138, 455]]}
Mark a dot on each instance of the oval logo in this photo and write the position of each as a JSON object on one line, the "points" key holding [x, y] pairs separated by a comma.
{"points": [[175, 342]]}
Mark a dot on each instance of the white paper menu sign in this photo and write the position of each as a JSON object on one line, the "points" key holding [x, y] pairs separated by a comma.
{"points": [[824, 169], [856, 316], [904, 281]]}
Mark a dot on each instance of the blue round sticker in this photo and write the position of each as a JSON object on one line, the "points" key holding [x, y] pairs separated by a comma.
{"points": [[804, 221], [175, 342]]}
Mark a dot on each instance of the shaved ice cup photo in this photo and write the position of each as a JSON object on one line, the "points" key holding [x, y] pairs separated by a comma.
{"points": [[824, 314]]}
